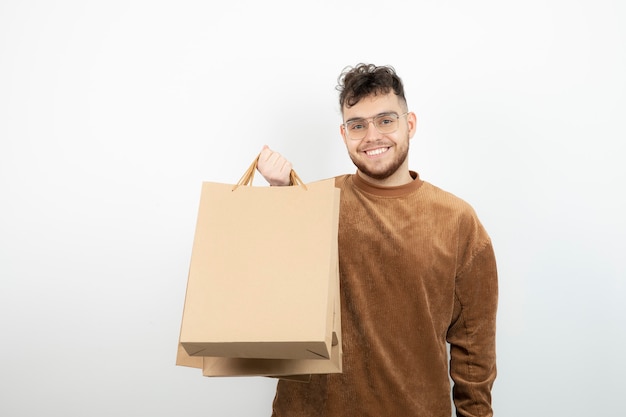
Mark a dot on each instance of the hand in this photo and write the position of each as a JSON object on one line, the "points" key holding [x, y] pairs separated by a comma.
{"points": [[274, 167]]}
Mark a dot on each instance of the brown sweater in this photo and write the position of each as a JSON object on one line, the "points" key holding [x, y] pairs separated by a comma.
{"points": [[417, 270]]}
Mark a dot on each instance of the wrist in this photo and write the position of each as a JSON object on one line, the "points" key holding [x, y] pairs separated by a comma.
{"points": [[281, 183]]}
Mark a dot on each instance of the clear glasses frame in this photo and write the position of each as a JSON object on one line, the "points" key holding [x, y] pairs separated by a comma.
{"points": [[356, 129]]}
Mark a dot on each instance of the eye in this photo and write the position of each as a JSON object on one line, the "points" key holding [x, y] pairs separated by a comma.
{"points": [[356, 125], [385, 120]]}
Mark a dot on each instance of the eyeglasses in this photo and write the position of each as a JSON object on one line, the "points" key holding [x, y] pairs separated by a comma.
{"points": [[356, 129]]}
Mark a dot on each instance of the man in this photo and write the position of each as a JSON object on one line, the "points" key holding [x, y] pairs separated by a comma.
{"points": [[417, 271]]}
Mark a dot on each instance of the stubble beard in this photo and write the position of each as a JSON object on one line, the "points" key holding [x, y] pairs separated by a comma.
{"points": [[389, 170]]}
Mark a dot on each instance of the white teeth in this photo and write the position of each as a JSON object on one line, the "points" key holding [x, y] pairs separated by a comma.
{"points": [[376, 151]]}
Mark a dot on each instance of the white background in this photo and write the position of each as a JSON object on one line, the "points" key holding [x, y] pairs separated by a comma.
{"points": [[112, 113]]}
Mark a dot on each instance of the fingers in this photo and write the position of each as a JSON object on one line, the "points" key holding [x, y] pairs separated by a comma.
{"points": [[274, 167], [274, 161]]}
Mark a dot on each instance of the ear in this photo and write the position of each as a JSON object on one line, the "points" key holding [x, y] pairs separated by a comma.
{"points": [[342, 130], [411, 120]]}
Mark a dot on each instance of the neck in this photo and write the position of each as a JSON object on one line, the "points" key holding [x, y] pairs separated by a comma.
{"points": [[398, 178]]}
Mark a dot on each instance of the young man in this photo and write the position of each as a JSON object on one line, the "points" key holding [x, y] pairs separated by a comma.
{"points": [[417, 272]]}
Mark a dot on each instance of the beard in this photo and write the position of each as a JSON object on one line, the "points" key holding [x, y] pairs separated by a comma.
{"points": [[384, 172]]}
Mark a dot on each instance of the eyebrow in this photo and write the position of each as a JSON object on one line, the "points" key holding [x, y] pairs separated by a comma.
{"points": [[385, 113]]}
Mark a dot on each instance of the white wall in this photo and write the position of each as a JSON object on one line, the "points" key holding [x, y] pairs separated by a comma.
{"points": [[113, 112]]}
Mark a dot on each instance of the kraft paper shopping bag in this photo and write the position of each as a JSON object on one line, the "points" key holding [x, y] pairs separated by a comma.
{"points": [[263, 277]]}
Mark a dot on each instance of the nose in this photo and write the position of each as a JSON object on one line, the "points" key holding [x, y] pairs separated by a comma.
{"points": [[372, 132]]}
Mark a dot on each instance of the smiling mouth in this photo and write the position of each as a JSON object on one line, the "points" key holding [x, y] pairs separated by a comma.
{"points": [[377, 151]]}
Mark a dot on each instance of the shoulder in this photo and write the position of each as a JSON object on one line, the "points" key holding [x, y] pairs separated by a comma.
{"points": [[341, 180], [443, 205], [445, 200]]}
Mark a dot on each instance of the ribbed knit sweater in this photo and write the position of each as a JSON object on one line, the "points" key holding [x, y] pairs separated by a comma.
{"points": [[417, 271]]}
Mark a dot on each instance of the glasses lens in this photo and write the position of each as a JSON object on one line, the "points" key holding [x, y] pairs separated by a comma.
{"points": [[357, 128], [386, 123]]}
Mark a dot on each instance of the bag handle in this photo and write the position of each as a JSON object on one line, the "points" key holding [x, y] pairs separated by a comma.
{"points": [[248, 176]]}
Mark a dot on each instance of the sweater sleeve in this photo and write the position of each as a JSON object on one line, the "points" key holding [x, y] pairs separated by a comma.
{"points": [[472, 332]]}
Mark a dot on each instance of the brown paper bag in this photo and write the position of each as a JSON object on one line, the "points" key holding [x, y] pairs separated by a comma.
{"points": [[263, 276]]}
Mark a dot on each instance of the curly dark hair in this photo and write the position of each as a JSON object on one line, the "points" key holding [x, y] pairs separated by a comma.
{"points": [[364, 80]]}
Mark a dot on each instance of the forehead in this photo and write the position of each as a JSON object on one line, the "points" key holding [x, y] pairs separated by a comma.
{"points": [[372, 105]]}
